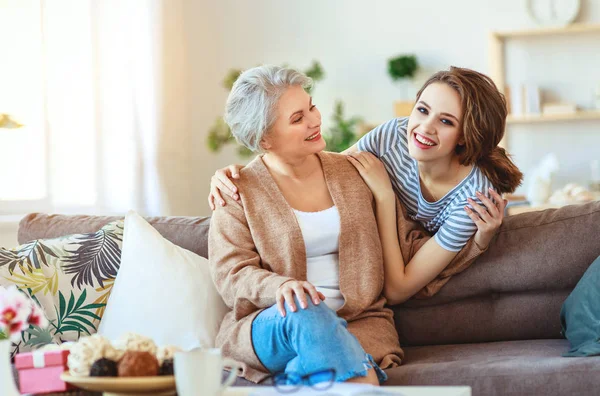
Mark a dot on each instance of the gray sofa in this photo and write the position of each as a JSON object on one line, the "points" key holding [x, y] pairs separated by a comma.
{"points": [[494, 327]]}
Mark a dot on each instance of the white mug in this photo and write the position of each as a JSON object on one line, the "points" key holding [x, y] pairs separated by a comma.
{"points": [[198, 372]]}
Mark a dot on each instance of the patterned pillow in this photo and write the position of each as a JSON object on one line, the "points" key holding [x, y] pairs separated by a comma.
{"points": [[71, 277]]}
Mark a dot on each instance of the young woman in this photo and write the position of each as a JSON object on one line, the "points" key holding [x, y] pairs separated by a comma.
{"points": [[444, 163], [437, 159]]}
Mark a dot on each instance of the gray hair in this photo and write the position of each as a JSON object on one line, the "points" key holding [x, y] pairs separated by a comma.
{"points": [[251, 108]]}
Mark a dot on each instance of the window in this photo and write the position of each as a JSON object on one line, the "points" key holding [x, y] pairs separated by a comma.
{"points": [[46, 83], [23, 151]]}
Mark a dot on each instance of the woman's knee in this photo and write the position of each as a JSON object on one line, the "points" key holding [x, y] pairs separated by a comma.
{"points": [[313, 313]]}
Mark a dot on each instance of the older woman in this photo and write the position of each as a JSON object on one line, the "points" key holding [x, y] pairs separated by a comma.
{"points": [[298, 257], [303, 232]]}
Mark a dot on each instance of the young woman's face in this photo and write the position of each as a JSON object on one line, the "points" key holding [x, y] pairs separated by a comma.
{"points": [[433, 126], [297, 130]]}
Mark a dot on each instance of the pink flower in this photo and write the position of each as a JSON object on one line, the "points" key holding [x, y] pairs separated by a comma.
{"points": [[37, 317], [17, 312]]}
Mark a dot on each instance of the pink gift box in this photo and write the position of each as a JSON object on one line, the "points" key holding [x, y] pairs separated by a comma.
{"points": [[39, 372]]}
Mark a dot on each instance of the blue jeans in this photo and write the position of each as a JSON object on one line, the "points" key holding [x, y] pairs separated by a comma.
{"points": [[310, 340]]}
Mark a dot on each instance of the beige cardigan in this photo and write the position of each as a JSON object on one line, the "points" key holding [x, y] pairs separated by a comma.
{"points": [[256, 244]]}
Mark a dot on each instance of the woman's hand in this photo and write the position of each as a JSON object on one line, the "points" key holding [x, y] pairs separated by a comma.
{"points": [[285, 294], [488, 219], [221, 182], [373, 172]]}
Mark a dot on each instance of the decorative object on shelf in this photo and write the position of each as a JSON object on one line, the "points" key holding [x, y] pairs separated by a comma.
{"points": [[17, 314], [402, 68], [532, 99], [559, 108], [7, 122], [339, 137], [516, 98], [572, 193], [540, 180], [553, 12]]}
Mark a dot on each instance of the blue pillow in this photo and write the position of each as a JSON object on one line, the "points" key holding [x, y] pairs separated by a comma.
{"points": [[580, 314]]}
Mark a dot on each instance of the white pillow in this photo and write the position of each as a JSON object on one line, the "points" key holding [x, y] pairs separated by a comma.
{"points": [[162, 291]]}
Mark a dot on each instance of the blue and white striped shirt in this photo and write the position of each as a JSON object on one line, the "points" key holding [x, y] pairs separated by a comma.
{"points": [[446, 218]]}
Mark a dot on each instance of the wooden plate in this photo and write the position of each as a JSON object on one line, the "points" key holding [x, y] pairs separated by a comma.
{"points": [[123, 386]]}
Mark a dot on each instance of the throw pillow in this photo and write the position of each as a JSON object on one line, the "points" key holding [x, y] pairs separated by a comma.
{"points": [[163, 291], [580, 314], [70, 277]]}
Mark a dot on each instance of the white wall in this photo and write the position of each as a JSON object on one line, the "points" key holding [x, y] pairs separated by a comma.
{"points": [[8, 234], [353, 40]]}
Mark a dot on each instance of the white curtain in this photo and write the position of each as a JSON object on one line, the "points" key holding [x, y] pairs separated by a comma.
{"points": [[117, 106]]}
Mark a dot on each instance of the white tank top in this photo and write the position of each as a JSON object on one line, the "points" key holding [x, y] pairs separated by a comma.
{"points": [[321, 233]]}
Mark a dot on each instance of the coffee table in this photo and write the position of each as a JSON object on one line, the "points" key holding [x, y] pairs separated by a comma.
{"points": [[401, 390]]}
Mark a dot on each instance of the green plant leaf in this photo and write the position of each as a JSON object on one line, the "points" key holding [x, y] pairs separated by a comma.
{"points": [[69, 328], [84, 321], [343, 132], [71, 303], [91, 314], [73, 316], [403, 66], [219, 135], [38, 336], [93, 306], [62, 303], [81, 299]]}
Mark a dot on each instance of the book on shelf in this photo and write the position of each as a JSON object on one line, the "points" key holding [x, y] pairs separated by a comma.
{"points": [[559, 108], [523, 99]]}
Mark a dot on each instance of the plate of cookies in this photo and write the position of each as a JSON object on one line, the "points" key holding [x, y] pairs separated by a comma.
{"points": [[132, 365]]}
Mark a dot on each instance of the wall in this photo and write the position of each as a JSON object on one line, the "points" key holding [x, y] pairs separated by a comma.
{"points": [[8, 232], [353, 40]]}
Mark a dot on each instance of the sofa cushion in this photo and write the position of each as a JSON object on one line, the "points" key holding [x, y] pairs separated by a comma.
{"points": [[500, 368], [71, 278], [580, 314], [515, 290], [162, 291], [190, 233]]}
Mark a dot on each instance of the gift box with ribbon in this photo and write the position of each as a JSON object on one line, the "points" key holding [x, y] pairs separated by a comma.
{"points": [[39, 372]]}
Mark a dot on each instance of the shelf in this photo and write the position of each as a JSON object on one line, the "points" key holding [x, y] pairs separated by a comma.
{"points": [[533, 119], [575, 28]]}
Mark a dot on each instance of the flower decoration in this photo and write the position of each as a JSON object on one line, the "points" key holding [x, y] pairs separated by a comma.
{"points": [[18, 312]]}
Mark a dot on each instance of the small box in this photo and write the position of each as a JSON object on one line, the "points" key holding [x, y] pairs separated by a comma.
{"points": [[39, 372]]}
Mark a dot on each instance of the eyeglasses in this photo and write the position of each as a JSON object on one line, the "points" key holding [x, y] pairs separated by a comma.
{"points": [[291, 382]]}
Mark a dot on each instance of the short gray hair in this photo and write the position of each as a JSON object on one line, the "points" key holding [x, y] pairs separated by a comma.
{"points": [[251, 108]]}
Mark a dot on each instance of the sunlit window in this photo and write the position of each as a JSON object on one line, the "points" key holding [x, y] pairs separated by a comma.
{"points": [[23, 151], [47, 85]]}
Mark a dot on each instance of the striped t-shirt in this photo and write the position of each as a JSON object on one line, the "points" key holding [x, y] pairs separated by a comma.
{"points": [[446, 218]]}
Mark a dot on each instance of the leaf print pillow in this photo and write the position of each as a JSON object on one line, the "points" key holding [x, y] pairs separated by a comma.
{"points": [[71, 277]]}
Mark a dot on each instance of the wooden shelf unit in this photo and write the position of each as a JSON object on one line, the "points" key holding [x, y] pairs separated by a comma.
{"points": [[497, 41], [541, 118], [575, 28]]}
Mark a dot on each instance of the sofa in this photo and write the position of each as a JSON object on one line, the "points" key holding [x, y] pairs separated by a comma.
{"points": [[494, 327]]}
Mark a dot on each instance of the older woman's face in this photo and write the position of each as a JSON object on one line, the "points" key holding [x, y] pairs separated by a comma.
{"points": [[297, 130]]}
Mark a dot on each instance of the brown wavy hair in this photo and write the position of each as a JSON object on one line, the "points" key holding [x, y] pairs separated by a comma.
{"points": [[483, 121]]}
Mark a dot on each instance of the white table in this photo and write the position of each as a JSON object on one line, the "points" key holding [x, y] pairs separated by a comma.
{"points": [[404, 390]]}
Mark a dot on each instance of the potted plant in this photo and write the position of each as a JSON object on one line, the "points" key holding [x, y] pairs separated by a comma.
{"points": [[402, 69], [17, 313]]}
